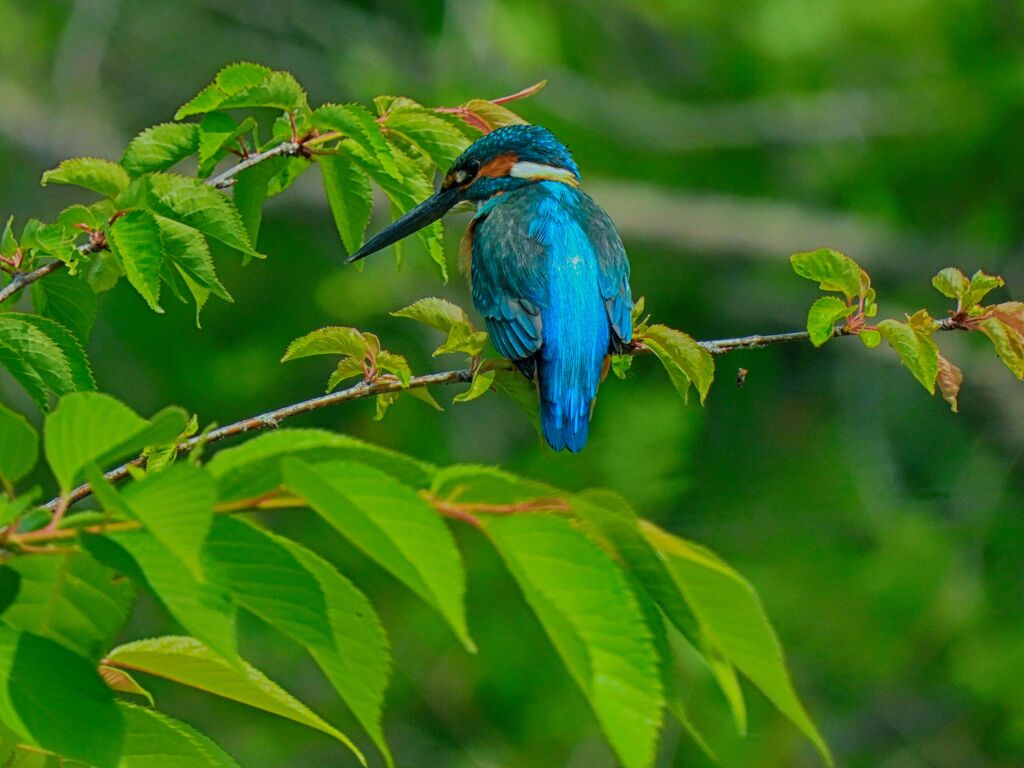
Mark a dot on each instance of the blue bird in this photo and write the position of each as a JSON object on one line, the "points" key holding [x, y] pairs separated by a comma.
{"points": [[547, 268]]}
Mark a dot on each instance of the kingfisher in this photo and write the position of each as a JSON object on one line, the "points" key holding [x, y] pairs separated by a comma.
{"points": [[546, 265]]}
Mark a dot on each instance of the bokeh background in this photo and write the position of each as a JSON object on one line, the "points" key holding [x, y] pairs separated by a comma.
{"points": [[884, 533]]}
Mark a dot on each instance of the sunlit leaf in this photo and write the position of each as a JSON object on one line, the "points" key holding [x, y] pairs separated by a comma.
{"points": [[92, 173], [160, 147], [481, 383], [232, 79], [916, 348], [953, 283], [981, 284], [332, 340], [822, 317], [135, 240], [1008, 343], [350, 197], [832, 270], [684, 359], [357, 123]]}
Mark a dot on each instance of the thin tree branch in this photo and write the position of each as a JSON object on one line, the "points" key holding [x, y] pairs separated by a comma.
{"points": [[384, 385], [224, 180]]}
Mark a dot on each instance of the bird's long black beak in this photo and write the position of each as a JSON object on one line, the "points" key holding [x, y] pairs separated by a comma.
{"points": [[427, 212]]}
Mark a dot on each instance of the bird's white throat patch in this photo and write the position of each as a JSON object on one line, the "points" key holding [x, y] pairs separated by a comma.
{"points": [[538, 171]]}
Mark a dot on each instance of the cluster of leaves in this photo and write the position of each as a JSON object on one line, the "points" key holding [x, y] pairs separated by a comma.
{"points": [[614, 593], [161, 229], [912, 339]]}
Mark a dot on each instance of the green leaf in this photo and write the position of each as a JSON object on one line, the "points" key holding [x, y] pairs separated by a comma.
{"points": [[101, 176], [494, 115], [8, 243], [981, 284], [188, 251], [332, 340], [43, 356], [278, 90], [349, 195], [54, 698], [481, 383], [823, 316], [231, 80], [435, 312], [394, 364], [67, 299], [870, 338], [204, 609], [953, 283], [304, 597], [832, 270], [250, 192], [69, 598], [287, 172], [255, 466], [89, 427], [358, 124], [593, 619], [19, 448], [121, 681], [192, 202], [154, 740], [187, 661], [216, 131], [684, 359], [916, 348], [135, 240], [730, 609], [434, 136], [392, 524], [423, 395], [160, 147], [1008, 343]]}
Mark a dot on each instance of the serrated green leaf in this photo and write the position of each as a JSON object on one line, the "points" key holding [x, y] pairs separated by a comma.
{"points": [[92, 428], [255, 466], [43, 356], [188, 251], [481, 383], [135, 240], [69, 300], [358, 124], [287, 173], [730, 609], [1008, 343], [832, 270], [278, 90], [217, 131], [429, 132], [394, 364], [917, 350], [870, 338], [19, 448], [154, 740], [92, 173], [951, 282], [332, 340], [160, 147], [592, 617], [76, 718], [435, 312], [350, 197], [392, 524], [187, 661], [232, 79], [823, 316], [684, 359], [981, 284], [198, 205]]}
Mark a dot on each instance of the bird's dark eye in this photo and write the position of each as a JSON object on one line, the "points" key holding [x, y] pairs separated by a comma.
{"points": [[472, 168]]}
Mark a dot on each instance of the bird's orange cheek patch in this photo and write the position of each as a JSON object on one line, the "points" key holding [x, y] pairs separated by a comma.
{"points": [[499, 166]]}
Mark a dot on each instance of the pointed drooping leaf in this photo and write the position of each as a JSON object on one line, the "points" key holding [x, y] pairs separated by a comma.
{"points": [[304, 597], [358, 124], [481, 383], [199, 205], [92, 173], [120, 681], [187, 661], [1008, 343], [823, 316], [255, 466], [89, 427], [730, 609], [67, 299], [392, 524], [953, 283], [350, 197], [332, 340], [135, 240], [429, 132], [43, 356], [154, 740], [251, 190], [592, 617], [19, 447], [684, 359], [232, 79], [69, 598], [204, 609], [160, 147], [916, 348], [493, 115], [832, 270], [54, 698], [949, 380], [188, 251]]}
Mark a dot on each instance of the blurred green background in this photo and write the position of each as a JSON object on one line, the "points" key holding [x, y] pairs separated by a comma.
{"points": [[884, 533]]}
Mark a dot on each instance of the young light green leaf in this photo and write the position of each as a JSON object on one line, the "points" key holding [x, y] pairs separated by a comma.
{"points": [[435, 312], [278, 90], [870, 338], [160, 147], [392, 524], [154, 740], [981, 284], [823, 316], [89, 427], [1008, 343], [394, 364], [684, 359], [916, 348], [949, 380], [67, 299], [92, 173], [832, 270], [19, 447], [592, 617], [332, 340], [69, 598], [730, 609], [233, 79], [43, 356], [423, 395], [77, 717], [349, 195], [135, 241], [1011, 313], [481, 383], [187, 661], [357, 123], [192, 202], [951, 282]]}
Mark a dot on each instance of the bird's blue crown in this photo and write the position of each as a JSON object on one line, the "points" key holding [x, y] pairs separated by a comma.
{"points": [[529, 143]]}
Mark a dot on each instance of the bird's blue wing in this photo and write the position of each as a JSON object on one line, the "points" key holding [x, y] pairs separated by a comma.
{"points": [[613, 268]]}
